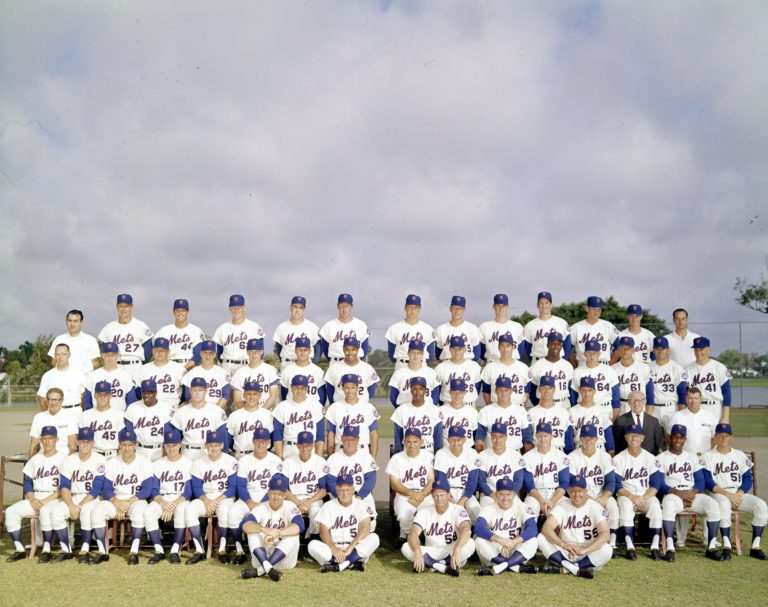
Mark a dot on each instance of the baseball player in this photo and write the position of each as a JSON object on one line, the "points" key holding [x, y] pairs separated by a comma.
{"points": [[260, 372], [491, 330], [65, 377], [127, 486], [400, 382], [368, 378], [669, 383], [104, 421], [132, 336], [458, 367], [122, 384], [504, 365], [546, 473], [334, 332], [457, 412], [80, 484], [447, 534], [303, 366], [273, 530], [638, 478], [65, 422], [170, 495], [83, 348], [352, 412], [459, 466], [607, 390], [575, 535], [197, 418], [150, 420], [592, 329], [681, 340], [506, 533], [357, 463], [700, 425], [496, 462], [457, 327], [554, 366], [307, 473], [41, 492], [535, 332], [295, 415], [346, 539], [595, 466], [683, 488], [713, 379], [243, 422], [216, 378], [512, 416], [294, 328], [167, 374], [401, 334], [556, 417], [233, 335], [586, 413], [642, 337], [633, 375], [420, 415], [213, 483], [410, 476], [729, 480], [182, 336]]}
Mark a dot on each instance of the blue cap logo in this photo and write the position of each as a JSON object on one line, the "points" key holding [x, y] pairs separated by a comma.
{"points": [[103, 387], [441, 483], [302, 342], [260, 433], [544, 295], [298, 300], [457, 432], [660, 342], [626, 340], [459, 301], [109, 346], [251, 386], [208, 346], [507, 338], [413, 432], [634, 429], [546, 381], [255, 344], [587, 382], [418, 381], [198, 382], [545, 427], [500, 299], [502, 381], [351, 432], [180, 304], [345, 298], [458, 385], [172, 437], [148, 385], [499, 429], [456, 341], [161, 342], [701, 342], [126, 435], [344, 479], [593, 301], [300, 380], [679, 429], [577, 481], [554, 336], [125, 298], [49, 431], [413, 300], [351, 342], [350, 378], [635, 309], [236, 301], [278, 482], [505, 484], [588, 431], [723, 429], [305, 438], [592, 346], [212, 436], [416, 344]]}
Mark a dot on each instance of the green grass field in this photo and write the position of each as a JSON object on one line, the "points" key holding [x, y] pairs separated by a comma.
{"points": [[750, 382]]}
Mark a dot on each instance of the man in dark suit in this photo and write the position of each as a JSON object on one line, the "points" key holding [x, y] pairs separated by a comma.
{"points": [[653, 435]]}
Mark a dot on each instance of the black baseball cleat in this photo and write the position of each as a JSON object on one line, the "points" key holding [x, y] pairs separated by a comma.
{"points": [[726, 554], [63, 556], [615, 554], [175, 559], [275, 575], [156, 558], [453, 572], [528, 568], [631, 555], [551, 568], [84, 558], [714, 556], [249, 574], [669, 556], [239, 559], [16, 556], [587, 573], [133, 559], [44, 558], [357, 566], [482, 571], [99, 559], [196, 558], [655, 555], [224, 558], [758, 554], [329, 567]]}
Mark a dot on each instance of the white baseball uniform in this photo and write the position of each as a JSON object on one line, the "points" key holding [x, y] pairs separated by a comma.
{"points": [[241, 425], [666, 379], [578, 526], [83, 477], [561, 371], [357, 466], [286, 335], [515, 417], [465, 416], [334, 332], [343, 523], [596, 470], [602, 331], [292, 417], [679, 471], [66, 425], [401, 381], [216, 378], [605, 382], [548, 471], [130, 338], [181, 341], [266, 516], [489, 337], [234, 339], [126, 481], [362, 414], [44, 473], [168, 379], [193, 423], [470, 332], [634, 474], [253, 476], [367, 374], [536, 332], [457, 469], [263, 373], [121, 382], [709, 379], [559, 418], [425, 418], [315, 378], [468, 370], [400, 335], [171, 482], [304, 480], [216, 478], [643, 343], [517, 372], [413, 472], [590, 416], [105, 425], [149, 425], [440, 533], [509, 524], [633, 378]]}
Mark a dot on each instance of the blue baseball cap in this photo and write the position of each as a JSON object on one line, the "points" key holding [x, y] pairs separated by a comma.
{"points": [[161, 342], [634, 429], [546, 381], [125, 298], [305, 438], [723, 429], [499, 428], [577, 481], [634, 309], [701, 342], [456, 341], [85, 433], [351, 341], [171, 437], [679, 429], [109, 346], [302, 342], [180, 304], [214, 436], [49, 431], [251, 386], [299, 300], [544, 427], [505, 484], [350, 378], [626, 340], [554, 336], [413, 432], [345, 298], [503, 382], [126, 435], [102, 387], [149, 385], [351, 432], [458, 385], [344, 479], [593, 301], [544, 295], [507, 339], [260, 433], [300, 380], [416, 344], [592, 345], [441, 484], [587, 382], [198, 382], [257, 343], [413, 300], [278, 482], [457, 432], [588, 431], [418, 381], [660, 342], [459, 301], [500, 299], [208, 346], [236, 301]]}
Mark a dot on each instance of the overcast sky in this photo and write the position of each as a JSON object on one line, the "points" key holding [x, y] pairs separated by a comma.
{"points": [[198, 149]]}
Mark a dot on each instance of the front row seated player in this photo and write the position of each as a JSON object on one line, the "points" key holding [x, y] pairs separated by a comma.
{"points": [[576, 533]]}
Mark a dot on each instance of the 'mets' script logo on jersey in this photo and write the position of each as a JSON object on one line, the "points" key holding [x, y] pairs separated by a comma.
{"points": [[662, 378], [147, 422], [168, 476], [510, 526], [495, 470], [351, 470], [196, 424], [457, 471], [593, 472], [542, 469], [559, 375], [351, 420], [164, 379], [589, 337], [414, 473], [82, 477], [292, 337], [259, 475], [342, 335], [418, 422], [446, 529], [124, 480], [300, 478], [574, 522], [722, 467], [344, 522], [677, 468], [211, 475], [179, 338], [632, 474], [542, 334], [101, 426], [278, 524], [123, 339], [234, 338], [703, 378], [247, 426], [495, 337], [298, 417], [406, 337], [42, 473]]}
